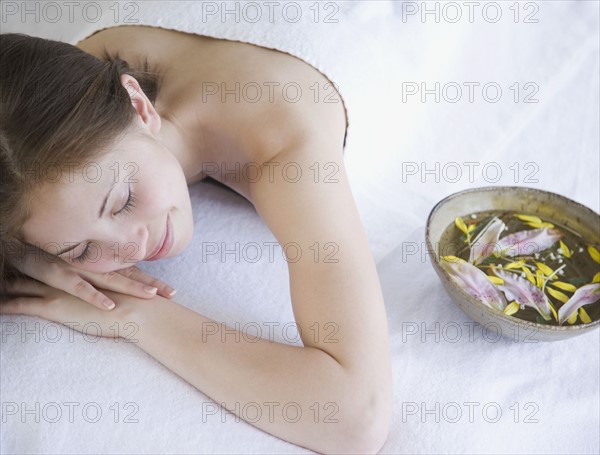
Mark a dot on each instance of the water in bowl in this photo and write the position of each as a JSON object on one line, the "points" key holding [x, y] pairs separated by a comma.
{"points": [[575, 257]]}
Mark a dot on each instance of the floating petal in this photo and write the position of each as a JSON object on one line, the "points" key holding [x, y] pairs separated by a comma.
{"points": [[596, 278], [594, 253], [453, 259], [558, 295], [541, 225], [528, 274], [573, 318], [495, 279], [460, 224], [486, 241], [531, 218], [511, 308], [554, 313], [521, 290], [564, 286], [514, 265], [585, 318], [539, 278], [583, 296], [475, 282], [528, 242], [544, 268], [566, 252]]}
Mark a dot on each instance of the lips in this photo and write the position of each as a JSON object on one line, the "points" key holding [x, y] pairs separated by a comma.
{"points": [[165, 244]]}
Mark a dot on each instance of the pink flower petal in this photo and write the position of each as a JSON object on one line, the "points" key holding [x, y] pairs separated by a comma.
{"points": [[583, 296], [475, 282], [520, 289], [528, 242], [483, 245]]}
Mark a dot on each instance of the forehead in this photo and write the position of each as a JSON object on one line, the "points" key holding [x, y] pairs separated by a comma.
{"points": [[62, 207], [116, 165], [68, 198]]}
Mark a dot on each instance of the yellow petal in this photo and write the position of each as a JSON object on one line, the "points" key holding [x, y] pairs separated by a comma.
{"points": [[471, 227], [540, 225], [539, 278], [528, 274], [554, 313], [558, 295], [585, 318], [514, 265], [452, 259], [594, 253], [564, 286], [566, 252], [573, 318], [511, 308], [596, 278], [533, 219], [460, 224], [544, 268], [495, 279]]}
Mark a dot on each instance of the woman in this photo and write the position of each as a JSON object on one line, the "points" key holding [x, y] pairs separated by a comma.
{"points": [[96, 157]]}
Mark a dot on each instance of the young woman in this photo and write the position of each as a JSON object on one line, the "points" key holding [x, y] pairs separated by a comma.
{"points": [[99, 142]]}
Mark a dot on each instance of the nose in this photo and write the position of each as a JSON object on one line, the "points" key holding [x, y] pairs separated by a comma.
{"points": [[131, 245]]}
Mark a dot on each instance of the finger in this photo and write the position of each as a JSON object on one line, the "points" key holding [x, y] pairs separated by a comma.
{"points": [[18, 305], [138, 275], [117, 282], [80, 288], [26, 287]]}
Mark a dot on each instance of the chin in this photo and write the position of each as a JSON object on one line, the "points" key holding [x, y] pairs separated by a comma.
{"points": [[184, 238]]}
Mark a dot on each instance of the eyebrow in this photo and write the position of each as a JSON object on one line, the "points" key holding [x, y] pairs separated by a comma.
{"points": [[103, 208], [68, 249], [100, 213]]}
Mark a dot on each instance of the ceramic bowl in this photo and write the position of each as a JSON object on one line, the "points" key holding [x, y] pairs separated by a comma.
{"points": [[548, 206]]}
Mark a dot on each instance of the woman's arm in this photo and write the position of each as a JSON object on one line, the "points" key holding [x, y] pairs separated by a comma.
{"points": [[343, 387], [53, 271], [334, 395]]}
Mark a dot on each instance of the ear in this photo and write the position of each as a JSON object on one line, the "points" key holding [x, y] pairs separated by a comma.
{"points": [[147, 115]]}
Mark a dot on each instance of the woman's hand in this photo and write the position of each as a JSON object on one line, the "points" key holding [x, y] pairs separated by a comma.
{"points": [[33, 298], [82, 284]]}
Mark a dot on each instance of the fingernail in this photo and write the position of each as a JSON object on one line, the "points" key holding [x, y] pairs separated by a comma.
{"points": [[170, 291], [108, 304], [150, 289]]}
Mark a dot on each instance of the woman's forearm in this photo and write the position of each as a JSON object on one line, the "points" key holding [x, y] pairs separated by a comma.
{"points": [[299, 394]]}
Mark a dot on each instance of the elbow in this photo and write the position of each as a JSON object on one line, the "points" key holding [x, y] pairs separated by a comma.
{"points": [[368, 424], [372, 424], [373, 413]]}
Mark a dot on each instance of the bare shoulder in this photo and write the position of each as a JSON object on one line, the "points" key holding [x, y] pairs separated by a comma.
{"points": [[95, 43], [137, 37], [260, 101]]}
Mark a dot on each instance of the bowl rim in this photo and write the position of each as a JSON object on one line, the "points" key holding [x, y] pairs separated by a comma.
{"points": [[472, 300]]}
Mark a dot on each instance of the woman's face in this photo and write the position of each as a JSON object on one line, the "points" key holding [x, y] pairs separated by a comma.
{"points": [[130, 205]]}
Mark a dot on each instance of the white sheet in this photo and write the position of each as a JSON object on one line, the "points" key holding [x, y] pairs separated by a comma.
{"points": [[547, 393]]}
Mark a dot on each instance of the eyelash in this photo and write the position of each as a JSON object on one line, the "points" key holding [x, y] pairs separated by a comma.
{"points": [[130, 204], [127, 208], [84, 256]]}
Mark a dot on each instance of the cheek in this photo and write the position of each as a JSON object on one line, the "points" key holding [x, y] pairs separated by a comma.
{"points": [[161, 190], [107, 260]]}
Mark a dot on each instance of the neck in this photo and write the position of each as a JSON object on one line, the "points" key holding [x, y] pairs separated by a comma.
{"points": [[187, 148]]}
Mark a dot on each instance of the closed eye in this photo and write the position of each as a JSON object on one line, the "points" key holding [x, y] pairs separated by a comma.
{"points": [[127, 208], [83, 256], [129, 205]]}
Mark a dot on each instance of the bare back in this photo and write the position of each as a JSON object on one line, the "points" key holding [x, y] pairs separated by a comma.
{"points": [[252, 99]]}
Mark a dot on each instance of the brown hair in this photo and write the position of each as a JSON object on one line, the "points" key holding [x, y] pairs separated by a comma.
{"points": [[58, 105]]}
